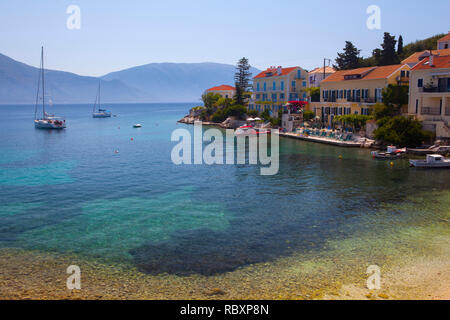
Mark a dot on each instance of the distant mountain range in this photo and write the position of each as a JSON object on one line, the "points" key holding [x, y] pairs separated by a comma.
{"points": [[155, 82]]}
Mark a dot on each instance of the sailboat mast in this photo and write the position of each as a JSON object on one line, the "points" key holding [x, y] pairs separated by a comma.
{"points": [[43, 84]]}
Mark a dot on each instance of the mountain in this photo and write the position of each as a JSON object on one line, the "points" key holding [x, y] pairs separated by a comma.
{"points": [[156, 82], [176, 82], [18, 84]]}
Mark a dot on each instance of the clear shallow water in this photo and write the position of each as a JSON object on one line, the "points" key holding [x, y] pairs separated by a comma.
{"points": [[69, 192]]}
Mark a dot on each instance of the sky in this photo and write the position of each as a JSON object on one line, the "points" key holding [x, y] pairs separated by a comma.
{"points": [[118, 34]]}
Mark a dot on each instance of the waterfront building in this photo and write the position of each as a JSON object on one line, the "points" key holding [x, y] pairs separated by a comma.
{"points": [[444, 42], [429, 94], [225, 91], [356, 91], [276, 86], [318, 74], [442, 49]]}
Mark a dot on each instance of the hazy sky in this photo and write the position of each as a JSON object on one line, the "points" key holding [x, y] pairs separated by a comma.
{"points": [[118, 34]]}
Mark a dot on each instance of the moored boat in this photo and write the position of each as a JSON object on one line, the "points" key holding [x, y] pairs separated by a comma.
{"points": [[432, 161], [392, 153], [99, 112], [47, 121]]}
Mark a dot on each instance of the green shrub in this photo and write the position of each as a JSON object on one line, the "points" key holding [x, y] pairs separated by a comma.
{"points": [[308, 115], [401, 131]]}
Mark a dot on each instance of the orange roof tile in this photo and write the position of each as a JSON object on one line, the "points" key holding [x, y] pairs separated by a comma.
{"points": [[284, 71], [440, 62], [223, 87], [414, 58], [368, 73], [320, 70], [445, 38]]}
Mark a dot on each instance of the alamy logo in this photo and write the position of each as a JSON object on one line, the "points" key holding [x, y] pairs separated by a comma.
{"points": [[374, 20], [218, 152], [374, 280], [74, 20], [74, 280]]}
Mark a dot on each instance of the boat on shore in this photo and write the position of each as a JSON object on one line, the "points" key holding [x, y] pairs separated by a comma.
{"points": [[432, 161], [48, 121], [99, 112]]}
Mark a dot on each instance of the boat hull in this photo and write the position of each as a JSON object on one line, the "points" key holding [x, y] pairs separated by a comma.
{"points": [[52, 125], [101, 115], [425, 164]]}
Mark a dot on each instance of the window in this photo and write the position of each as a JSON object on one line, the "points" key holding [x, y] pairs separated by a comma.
{"points": [[281, 96], [293, 84], [274, 97], [265, 86], [345, 94], [417, 105], [274, 86], [282, 85], [299, 74], [304, 83], [257, 96], [419, 83], [402, 73]]}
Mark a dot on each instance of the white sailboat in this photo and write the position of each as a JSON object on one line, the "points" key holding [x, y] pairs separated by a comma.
{"points": [[99, 112], [48, 121]]}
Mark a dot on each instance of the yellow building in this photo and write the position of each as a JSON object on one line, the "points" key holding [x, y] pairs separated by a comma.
{"points": [[356, 91], [429, 94], [225, 91], [276, 86]]}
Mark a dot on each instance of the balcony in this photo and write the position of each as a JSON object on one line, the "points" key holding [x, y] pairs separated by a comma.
{"points": [[434, 111], [433, 89], [354, 99]]}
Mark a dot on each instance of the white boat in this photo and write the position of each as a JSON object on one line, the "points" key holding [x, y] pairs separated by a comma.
{"points": [[47, 121], [137, 125], [99, 112], [432, 161], [245, 131]]}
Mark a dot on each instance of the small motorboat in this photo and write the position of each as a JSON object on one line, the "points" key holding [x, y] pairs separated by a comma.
{"points": [[432, 161], [386, 155], [137, 125], [392, 153], [245, 131]]}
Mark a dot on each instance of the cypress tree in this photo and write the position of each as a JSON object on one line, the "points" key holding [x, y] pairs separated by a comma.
{"points": [[349, 59], [242, 80]]}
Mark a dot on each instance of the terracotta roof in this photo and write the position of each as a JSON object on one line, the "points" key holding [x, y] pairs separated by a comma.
{"points": [[414, 58], [320, 70], [440, 62], [223, 87], [284, 71], [368, 73], [445, 38]]}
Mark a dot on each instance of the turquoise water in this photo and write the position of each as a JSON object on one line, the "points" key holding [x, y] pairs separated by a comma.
{"points": [[71, 192]]}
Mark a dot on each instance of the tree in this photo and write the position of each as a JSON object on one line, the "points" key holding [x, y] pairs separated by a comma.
{"points": [[210, 99], [349, 59], [388, 54], [401, 131], [400, 46], [314, 93], [308, 115], [395, 96], [242, 81]]}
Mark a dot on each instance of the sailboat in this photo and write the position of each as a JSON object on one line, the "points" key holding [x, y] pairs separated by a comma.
{"points": [[48, 121], [99, 112]]}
